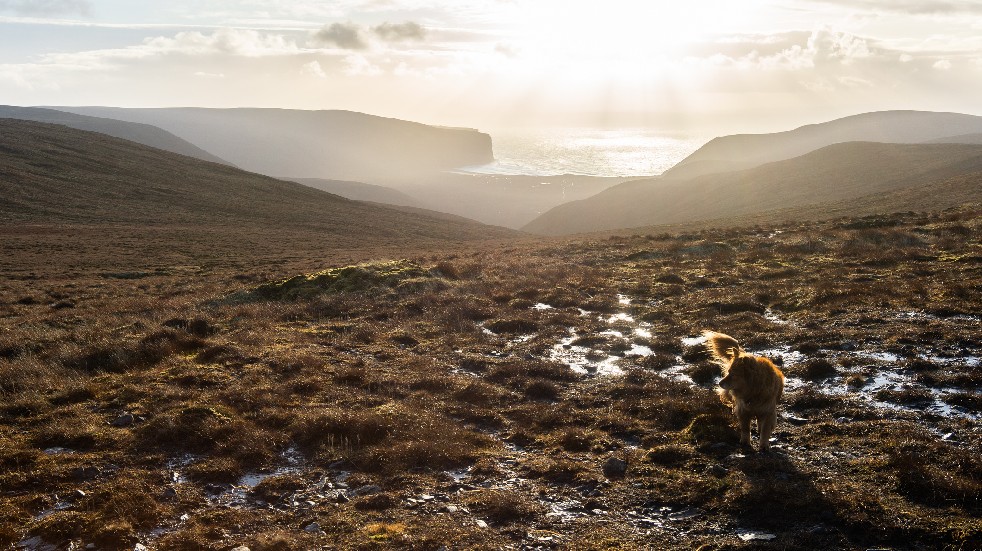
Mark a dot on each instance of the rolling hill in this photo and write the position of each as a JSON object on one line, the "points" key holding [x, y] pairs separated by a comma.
{"points": [[742, 151], [359, 191], [338, 145], [835, 174], [55, 174], [134, 132], [963, 138]]}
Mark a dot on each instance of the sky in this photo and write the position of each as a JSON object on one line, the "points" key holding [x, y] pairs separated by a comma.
{"points": [[698, 66]]}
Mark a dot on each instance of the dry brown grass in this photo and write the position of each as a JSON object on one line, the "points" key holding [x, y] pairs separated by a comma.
{"points": [[398, 385]]}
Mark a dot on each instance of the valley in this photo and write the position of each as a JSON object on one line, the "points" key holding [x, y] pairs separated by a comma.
{"points": [[193, 356]]}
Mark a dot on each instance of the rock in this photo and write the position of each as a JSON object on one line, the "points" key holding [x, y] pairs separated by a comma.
{"points": [[592, 504], [481, 523], [717, 470], [755, 536], [87, 472], [341, 498], [797, 421], [366, 490], [241, 548], [124, 420], [684, 514], [170, 492], [450, 508], [313, 528], [615, 468], [139, 547], [36, 544]]}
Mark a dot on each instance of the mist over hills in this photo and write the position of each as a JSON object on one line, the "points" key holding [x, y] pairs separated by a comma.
{"points": [[829, 175], [133, 131], [740, 151], [359, 191], [338, 145], [55, 174]]}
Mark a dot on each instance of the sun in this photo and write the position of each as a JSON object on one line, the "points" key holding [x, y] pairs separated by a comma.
{"points": [[619, 34]]}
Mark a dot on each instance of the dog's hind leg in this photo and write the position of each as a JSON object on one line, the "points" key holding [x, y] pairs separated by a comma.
{"points": [[766, 425]]}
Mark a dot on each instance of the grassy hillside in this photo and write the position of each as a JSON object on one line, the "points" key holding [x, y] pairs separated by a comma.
{"points": [[134, 132], [55, 174], [359, 191], [834, 174], [533, 395], [339, 145], [725, 153]]}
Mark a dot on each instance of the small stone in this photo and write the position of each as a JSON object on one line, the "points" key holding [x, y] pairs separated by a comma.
{"points": [[78, 494], [427, 497], [124, 420], [481, 523], [341, 498], [717, 470], [313, 528], [756, 536], [797, 421], [450, 509], [366, 490], [241, 548], [139, 547], [87, 472], [93, 546], [170, 492], [614, 468]]}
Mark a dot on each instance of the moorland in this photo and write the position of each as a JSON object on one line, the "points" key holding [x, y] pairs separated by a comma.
{"points": [[303, 371]]}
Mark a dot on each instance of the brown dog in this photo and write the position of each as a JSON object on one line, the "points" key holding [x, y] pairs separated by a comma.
{"points": [[751, 385]]}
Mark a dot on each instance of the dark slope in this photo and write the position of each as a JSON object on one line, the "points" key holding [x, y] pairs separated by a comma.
{"points": [[55, 174], [359, 191], [339, 145], [963, 138], [832, 174], [745, 150], [134, 132]]}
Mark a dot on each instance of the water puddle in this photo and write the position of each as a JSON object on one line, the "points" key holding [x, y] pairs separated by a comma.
{"points": [[883, 377]]}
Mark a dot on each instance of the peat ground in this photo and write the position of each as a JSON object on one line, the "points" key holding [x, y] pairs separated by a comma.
{"points": [[527, 395]]}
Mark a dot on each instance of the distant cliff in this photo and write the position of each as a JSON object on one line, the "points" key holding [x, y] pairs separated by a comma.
{"points": [[340, 145]]}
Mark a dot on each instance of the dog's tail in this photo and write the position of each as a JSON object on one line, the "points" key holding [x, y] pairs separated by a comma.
{"points": [[723, 347]]}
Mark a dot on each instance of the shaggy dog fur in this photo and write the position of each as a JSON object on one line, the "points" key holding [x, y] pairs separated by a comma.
{"points": [[751, 385]]}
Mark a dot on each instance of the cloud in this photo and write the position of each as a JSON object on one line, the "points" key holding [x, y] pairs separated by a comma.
{"points": [[46, 7], [359, 65], [313, 69], [343, 35], [397, 32], [507, 50], [916, 7], [942, 65], [788, 51]]}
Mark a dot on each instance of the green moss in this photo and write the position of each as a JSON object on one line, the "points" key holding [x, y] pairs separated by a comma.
{"points": [[343, 280]]}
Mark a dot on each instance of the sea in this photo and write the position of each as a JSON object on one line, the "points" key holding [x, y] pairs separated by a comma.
{"points": [[586, 152]]}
